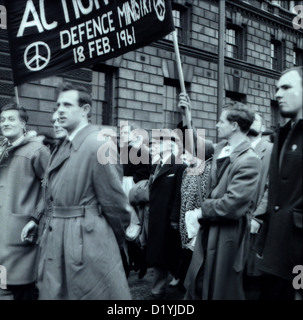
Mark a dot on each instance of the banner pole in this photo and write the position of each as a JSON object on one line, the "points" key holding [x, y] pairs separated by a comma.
{"points": [[180, 73], [16, 95], [182, 84], [220, 61]]}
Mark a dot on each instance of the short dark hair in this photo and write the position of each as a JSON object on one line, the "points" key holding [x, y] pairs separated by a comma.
{"points": [[84, 95], [21, 110], [240, 113]]}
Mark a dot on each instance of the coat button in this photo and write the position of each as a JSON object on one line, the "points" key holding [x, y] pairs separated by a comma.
{"points": [[277, 208], [50, 228]]}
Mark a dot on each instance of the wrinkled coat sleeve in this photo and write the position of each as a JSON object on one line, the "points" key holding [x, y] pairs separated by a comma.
{"points": [[262, 199], [107, 181], [241, 188], [39, 163], [261, 209]]}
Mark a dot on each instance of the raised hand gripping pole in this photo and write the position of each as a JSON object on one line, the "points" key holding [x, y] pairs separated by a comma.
{"points": [[182, 85]]}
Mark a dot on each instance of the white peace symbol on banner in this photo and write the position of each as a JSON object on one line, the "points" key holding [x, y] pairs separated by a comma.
{"points": [[38, 61], [159, 6]]}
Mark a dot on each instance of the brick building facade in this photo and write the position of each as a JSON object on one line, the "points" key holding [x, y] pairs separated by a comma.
{"points": [[142, 86]]}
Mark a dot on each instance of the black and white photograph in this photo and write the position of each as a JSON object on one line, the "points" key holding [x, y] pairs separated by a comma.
{"points": [[151, 153]]}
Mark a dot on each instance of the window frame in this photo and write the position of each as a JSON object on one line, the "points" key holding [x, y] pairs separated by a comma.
{"points": [[299, 56], [279, 53], [107, 116], [183, 31], [275, 117], [235, 96], [240, 41]]}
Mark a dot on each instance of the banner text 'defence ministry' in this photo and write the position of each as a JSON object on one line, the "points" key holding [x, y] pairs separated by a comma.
{"points": [[48, 37]]}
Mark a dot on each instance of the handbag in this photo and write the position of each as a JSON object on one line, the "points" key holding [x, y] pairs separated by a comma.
{"points": [[134, 228], [192, 225]]}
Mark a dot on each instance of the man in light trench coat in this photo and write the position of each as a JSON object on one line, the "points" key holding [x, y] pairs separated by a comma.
{"points": [[89, 212], [220, 252]]}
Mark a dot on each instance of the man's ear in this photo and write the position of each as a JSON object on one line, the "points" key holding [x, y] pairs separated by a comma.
{"points": [[86, 107], [235, 126]]}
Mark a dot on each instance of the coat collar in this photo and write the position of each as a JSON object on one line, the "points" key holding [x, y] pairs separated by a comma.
{"points": [[287, 127], [261, 148], [6, 148], [288, 133], [82, 134], [61, 154], [237, 151], [220, 165], [58, 157]]}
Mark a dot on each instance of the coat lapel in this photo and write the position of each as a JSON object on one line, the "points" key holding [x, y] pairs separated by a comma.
{"points": [[222, 164], [289, 134], [60, 155], [241, 148], [213, 179], [165, 168], [219, 166]]}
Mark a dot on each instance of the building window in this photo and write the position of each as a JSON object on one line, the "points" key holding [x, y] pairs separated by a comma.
{"points": [[282, 3], [171, 114], [102, 93], [297, 57], [275, 114], [181, 16], [231, 96], [234, 41], [276, 55]]}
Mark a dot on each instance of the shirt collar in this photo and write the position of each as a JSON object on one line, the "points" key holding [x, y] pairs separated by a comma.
{"points": [[71, 137], [255, 142], [226, 151]]}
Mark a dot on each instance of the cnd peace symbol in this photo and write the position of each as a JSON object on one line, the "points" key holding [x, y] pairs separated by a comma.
{"points": [[37, 56], [159, 6]]}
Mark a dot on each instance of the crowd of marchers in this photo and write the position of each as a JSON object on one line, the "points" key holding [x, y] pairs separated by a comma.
{"points": [[225, 226]]}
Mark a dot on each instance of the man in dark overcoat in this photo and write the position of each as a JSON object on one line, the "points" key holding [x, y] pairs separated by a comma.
{"points": [[280, 242], [263, 149], [163, 243]]}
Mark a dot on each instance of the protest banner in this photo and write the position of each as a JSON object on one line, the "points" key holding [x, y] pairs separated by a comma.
{"points": [[51, 37]]}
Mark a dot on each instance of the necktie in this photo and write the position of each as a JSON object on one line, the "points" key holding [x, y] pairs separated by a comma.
{"points": [[158, 168]]}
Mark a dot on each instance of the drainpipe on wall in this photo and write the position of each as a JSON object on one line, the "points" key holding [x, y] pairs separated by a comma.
{"points": [[221, 60]]}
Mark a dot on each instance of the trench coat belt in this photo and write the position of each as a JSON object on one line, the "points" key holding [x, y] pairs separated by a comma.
{"points": [[75, 211]]}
